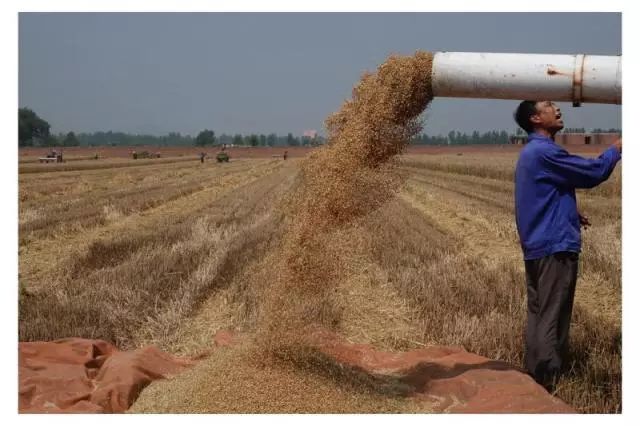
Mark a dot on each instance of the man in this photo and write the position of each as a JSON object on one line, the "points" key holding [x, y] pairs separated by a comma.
{"points": [[548, 224]]}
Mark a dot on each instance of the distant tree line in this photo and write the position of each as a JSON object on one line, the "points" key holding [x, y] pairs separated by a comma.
{"points": [[209, 138], [35, 131], [111, 138], [457, 138], [204, 138]]}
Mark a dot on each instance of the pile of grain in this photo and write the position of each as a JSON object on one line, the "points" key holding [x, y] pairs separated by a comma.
{"points": [[229, 382], [350, 177]]}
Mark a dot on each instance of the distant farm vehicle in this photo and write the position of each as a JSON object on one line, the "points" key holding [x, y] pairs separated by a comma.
{"points": [[222, 157], [145, 154], [53, 156]]}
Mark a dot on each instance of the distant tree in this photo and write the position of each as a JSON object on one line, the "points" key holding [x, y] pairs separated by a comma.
{"points": [[205, 138], [50, 140], [172, 139], [225, 139], [237, 139], [475, 137], [291, 141], [70, 140], [32, 130], [263, 140], [272, 139], [253, 140], [451, 137], [462, 138], [503, 138]]}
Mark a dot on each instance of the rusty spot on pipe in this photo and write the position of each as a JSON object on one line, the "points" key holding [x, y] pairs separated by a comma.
{"points": [[553, 71]]}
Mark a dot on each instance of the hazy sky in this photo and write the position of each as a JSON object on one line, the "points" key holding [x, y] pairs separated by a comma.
{"points": [[270, 72]]}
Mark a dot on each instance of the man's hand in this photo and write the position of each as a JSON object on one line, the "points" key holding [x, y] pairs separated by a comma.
{"points": [[584, 221], [618, 145]]}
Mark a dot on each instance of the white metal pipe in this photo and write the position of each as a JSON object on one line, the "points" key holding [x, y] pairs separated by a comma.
{"points": [[571, 78]]}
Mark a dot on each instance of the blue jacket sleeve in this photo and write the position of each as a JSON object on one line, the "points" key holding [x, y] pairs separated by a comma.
{"points": [[572, 171]]}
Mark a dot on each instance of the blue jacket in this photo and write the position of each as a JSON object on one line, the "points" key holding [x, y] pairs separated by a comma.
{"points": [[545, 181]]}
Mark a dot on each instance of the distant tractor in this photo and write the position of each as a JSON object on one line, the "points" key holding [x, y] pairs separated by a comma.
{"points": [[145, 154], [222, 157], [53, 156]]}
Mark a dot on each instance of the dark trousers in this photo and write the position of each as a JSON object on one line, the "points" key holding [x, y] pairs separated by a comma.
{"points": [[551, 286]]}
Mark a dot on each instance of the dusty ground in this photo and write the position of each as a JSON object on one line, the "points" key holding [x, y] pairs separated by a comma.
{"points": [[170, 252]]}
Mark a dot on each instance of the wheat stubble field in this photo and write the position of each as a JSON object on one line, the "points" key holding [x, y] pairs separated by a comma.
{"points": [[168, 252]]}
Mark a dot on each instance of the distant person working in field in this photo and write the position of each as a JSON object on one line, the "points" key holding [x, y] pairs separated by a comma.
{"points": [[548, 224]]}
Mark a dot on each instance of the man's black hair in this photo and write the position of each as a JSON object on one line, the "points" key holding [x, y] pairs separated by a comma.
{"points": [[523, 115]]}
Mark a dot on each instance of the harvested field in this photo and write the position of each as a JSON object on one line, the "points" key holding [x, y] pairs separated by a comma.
{"points": [[171, 253]]}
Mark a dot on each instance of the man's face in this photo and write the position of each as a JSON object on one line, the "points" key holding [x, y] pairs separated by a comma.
{"points": [[548, 117]]}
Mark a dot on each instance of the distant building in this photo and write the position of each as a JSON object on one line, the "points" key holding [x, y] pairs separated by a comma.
{"points": [[586, 138], [311, 134], [573, 139]]}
